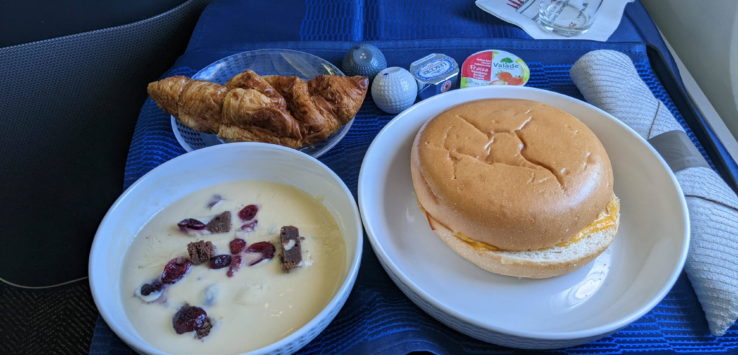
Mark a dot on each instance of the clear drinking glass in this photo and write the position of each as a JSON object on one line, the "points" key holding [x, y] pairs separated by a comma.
{"points": [[567, 17]]}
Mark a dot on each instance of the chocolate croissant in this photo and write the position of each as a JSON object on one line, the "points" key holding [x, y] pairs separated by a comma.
{"points": [[283, 110]]}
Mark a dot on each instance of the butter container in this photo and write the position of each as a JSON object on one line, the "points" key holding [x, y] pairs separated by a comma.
{"points": [[434, 73]]}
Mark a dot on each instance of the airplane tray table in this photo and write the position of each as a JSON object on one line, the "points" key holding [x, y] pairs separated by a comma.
{"points": [[378, 318]]}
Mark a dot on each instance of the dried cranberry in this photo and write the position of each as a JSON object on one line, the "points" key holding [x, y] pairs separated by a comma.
{"points": [[151, 292], [149, 288], [266, 250], [188, 224], [237, 245], [249, 227], [189, 319], [220, 261], [235, 265], [175, 270], [248, 213]]}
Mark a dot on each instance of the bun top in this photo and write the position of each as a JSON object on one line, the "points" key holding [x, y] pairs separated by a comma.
{"points": [[515, 174]]}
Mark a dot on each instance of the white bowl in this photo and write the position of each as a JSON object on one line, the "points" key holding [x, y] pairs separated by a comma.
{"points": [[615, 289], [205, 167]]}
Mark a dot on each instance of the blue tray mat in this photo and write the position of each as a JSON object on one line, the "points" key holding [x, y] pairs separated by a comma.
{"points": [[378, 318]]}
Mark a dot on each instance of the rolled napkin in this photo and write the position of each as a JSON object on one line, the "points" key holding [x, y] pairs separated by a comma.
{"points": [[609, 80]]}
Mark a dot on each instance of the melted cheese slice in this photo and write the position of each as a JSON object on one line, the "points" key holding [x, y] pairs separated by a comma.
{"points": [[606, 220]]}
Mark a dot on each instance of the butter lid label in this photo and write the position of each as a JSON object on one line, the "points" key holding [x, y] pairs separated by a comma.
{"points": [[494, 67], [434, 68]]}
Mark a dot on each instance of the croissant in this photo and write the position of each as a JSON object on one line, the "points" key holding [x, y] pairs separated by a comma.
{"points": [[283, 110]]}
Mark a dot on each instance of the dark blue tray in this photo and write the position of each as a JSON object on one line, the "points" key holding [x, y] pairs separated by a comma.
{"points": [[377, 317]]}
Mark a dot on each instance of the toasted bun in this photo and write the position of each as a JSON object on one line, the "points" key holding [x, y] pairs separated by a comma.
{"points": [[515, 174], [536, 264]]}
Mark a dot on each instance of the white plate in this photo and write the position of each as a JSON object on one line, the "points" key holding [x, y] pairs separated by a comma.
{"points": [[615, 289], [194, 171]]}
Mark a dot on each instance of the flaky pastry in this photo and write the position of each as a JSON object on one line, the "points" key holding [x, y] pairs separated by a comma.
{"points": [[277, 109]]}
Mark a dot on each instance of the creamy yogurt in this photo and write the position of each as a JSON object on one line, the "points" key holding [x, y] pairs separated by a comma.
{"points": [[260, 304]]}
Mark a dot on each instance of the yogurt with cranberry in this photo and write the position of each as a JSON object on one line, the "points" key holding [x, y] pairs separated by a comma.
{"points": [[243, 294]]}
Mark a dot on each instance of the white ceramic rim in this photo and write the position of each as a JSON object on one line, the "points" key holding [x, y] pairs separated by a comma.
{"points": [[346, 285], [338, 135], [592, 332]]}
